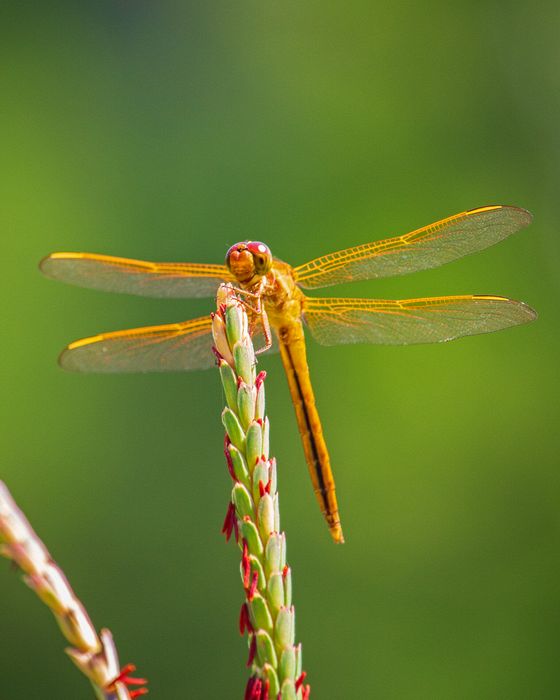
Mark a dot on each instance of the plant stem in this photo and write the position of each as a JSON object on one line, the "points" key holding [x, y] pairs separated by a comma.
{"points": [[94, 654], [267, 615]]}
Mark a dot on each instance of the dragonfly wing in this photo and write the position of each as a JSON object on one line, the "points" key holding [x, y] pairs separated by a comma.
{"points": [[173, 347], [429, 320], [140, 277], [427, 247]]}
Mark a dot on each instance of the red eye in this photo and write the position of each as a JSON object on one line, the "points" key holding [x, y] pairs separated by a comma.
{"points": [[258, 249], [261, 255]]}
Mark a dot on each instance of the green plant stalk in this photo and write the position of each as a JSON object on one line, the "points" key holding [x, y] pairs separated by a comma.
{"points": [[267, 615], [94, 654]]}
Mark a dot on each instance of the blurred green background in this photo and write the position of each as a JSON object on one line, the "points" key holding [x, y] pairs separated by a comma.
{"points": [[171, 130]]}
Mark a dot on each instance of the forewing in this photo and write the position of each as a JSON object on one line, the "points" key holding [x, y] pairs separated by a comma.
{"points": [[427, 247], [173, 347], [429, 320], [140, 277]]}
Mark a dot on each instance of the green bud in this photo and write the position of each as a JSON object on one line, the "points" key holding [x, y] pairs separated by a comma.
{"points": [[260, 475], [233, 428], [254, 443], [265, 516], [236, 323], [276, 514], [283, 550], [287, 586], [259, 613], [260, 403], [288, 663], [276, 591], [229, 382], [220, 339], [244, 358], [239, 466], [246, 398], [288, 690], [250, 533], [266, 438], [299, 661], [266, 653], [272, 475], [242, 501], [273, 554], [274, 684], [284, 628]]}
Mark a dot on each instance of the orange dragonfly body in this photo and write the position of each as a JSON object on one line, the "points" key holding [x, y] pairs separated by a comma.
{"points": [[274, 296]]}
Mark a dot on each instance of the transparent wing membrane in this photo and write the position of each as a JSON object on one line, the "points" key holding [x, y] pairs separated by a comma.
{"points": [[139, 277], [424, 248], [429, 320], [173, 347]]}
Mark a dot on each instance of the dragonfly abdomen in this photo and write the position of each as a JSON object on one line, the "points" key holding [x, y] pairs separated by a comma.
{"points": [[294, 358]]}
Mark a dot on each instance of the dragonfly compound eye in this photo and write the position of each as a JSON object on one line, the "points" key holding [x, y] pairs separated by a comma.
{"points": [[261, 255]]}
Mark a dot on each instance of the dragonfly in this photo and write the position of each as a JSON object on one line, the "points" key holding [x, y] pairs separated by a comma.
{"points": [[276, 297]]}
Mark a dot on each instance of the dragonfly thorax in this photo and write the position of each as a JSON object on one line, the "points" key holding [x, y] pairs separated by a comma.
{"points": [[248, 260]]}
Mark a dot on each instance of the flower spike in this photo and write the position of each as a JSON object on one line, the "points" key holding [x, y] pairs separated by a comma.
{"points": [[267, 614]]}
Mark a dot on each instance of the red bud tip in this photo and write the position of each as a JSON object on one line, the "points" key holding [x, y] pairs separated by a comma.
{"points": [[230, 522], [244, 621], [268, 486], [260, 422], [223, 309], [229, 460], [252, 652], [249, 688], [306, 692], [253, 587], [257, 690], [285, 571], [127, 680], [217, 354], [299, 681], [246, 565], [262, 489], [266, 690], [236, 530], [261, 376]]}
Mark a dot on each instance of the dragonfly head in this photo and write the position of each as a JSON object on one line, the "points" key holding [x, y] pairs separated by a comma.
{"points": [[248, 260]]}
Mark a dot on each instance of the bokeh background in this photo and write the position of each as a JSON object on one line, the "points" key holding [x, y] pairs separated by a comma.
{"points": [[171, 130]]}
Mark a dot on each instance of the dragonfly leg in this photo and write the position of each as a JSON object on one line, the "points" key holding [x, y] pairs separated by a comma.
{"points": [[266, 331], [260, 313], [246, 292], [241, 293]]}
